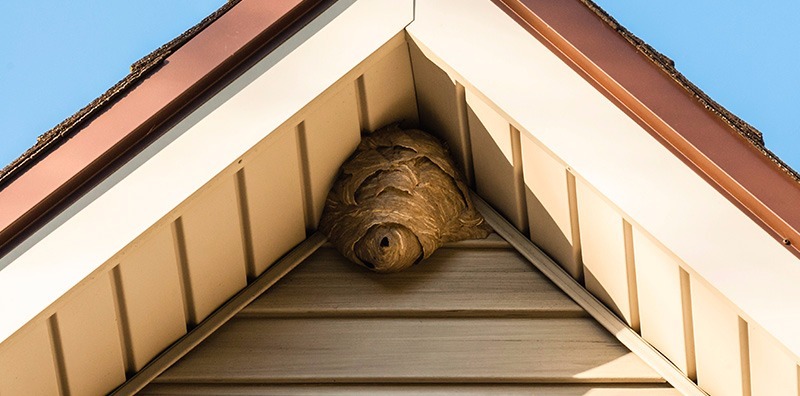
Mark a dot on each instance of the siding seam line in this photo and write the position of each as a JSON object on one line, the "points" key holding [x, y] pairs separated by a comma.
{"points": [[630, 269], [305, 174], [688, 324], [57, 348], [123, 320], [244, 225], [575, 228], [464, 133], [179, 241]]}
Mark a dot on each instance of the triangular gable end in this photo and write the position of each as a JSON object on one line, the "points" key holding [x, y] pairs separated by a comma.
{"points": [[577, 172], [473, 318]]}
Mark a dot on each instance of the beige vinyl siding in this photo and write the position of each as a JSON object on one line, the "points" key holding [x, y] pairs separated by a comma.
{"points": [[90, 343], [262, 203], [772, 370], [148, 282], [470, 313], [328, 135], [718, 339], [603, 252], [386, 92], [210, 246], [274, 199], [662, 305], [551, 216], [212, 250], [644, 186], [453, 282], [28, 365], [493, 146], [431, 389], [442, 108]]}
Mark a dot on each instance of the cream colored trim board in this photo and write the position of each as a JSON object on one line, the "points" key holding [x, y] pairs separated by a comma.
{"points": [[214, 321], [484, 49], [77, 243], [587, 301]]}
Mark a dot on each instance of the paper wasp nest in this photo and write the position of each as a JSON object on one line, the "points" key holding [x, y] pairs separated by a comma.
{"points": [[398, 199]]}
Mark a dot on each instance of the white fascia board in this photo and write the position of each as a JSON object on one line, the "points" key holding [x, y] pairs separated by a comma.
{"points": [[94, 229], [491, 53]]}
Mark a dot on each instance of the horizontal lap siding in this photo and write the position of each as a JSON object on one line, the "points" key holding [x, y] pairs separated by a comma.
{"points": [[640, 278], [302, 350], [395, 389], [466, 314], [452, 282], [210, 246]]}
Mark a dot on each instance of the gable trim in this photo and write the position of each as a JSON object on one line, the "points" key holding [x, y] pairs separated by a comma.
{"points": [[601, 143], [723, 149], [35, 191], [564, 281], [266, 97]]}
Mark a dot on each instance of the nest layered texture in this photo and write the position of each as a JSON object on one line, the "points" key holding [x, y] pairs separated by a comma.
{"points": [[397, 199]]}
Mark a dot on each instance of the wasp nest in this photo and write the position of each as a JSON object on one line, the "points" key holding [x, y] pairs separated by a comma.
{"points": [[398, 199]]}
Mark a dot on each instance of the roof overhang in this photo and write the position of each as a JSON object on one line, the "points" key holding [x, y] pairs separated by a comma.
{"points": [[666, 182]]}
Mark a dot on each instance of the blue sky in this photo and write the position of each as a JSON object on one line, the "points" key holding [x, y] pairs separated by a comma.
{"points": [[744, 54], [56, 56]]}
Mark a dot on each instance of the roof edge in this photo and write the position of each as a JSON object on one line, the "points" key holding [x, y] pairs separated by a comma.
{"points": [[667, 65], [722, 149], [80, 151], [50, 140]]}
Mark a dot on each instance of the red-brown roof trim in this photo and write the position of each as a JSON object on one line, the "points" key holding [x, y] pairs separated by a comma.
{"points": [[162, 83], [139, 70], [722, 148]]}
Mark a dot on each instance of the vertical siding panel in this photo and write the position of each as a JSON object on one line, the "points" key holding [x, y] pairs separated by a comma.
{"points": [[151, 293], [389, 91], [274, 199], [331, 131], [772, 370], [438, 106], [716, 334], [547, 200], [214, 249], [27, 366], [88, 330], [603, 251], [493, 159], [658, 277]]}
